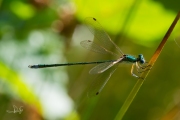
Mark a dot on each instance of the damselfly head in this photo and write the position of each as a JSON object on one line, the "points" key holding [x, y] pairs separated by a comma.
{"points": [[141, 59]]}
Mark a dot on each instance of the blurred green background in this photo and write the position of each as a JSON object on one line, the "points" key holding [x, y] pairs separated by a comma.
{"points": [[49, 31]]}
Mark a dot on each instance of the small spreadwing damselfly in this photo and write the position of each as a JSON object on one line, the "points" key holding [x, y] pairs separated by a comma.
{"points": [[102, 43]]}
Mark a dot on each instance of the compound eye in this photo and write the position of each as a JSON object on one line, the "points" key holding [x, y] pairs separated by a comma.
{"points": [[142, 61]]}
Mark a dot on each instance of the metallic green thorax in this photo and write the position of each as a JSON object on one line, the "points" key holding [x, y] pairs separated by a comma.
{"points": [[132, 59]]}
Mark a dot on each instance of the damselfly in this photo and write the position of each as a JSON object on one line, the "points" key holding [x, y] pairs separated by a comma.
{"points": [[101, 44]]}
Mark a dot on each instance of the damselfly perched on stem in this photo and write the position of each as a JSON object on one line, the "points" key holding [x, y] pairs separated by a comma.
{"points": [[101, 44]]}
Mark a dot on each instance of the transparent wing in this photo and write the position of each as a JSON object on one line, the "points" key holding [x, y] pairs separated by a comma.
{"points": [[99, 33], [101, 68], [101, 80], [91, 45], [104, 66]]}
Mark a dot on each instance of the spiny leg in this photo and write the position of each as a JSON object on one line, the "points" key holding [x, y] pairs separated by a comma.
{"points": [[132, 69], [143, 67], [137, 69], [138, 66]]}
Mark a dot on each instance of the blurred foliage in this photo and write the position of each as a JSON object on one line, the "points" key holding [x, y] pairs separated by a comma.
{"points": [[13, 82], [21, 17], [49, 31], [140, 25]]}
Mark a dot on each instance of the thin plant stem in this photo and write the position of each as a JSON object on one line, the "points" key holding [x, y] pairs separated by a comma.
{"points": [[144, 74]]}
